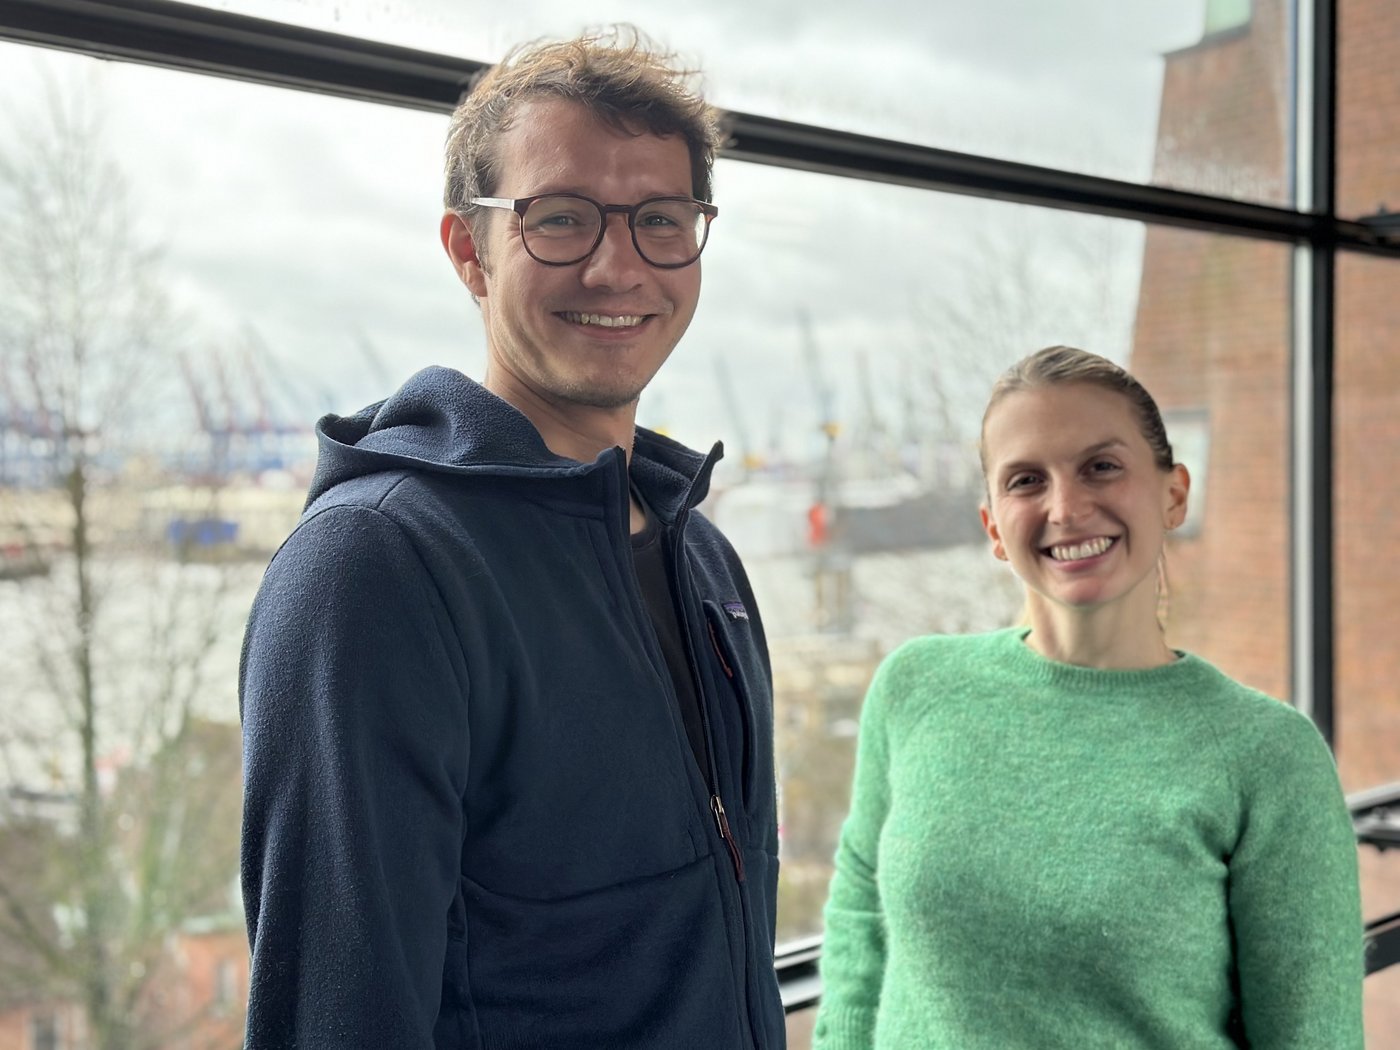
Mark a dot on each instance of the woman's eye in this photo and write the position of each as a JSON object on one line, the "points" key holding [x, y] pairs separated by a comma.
{"points": [[1020, 481], [1104, 468]]}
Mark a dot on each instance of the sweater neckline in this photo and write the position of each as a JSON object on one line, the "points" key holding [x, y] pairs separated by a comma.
{"points": [[1092, 679]]}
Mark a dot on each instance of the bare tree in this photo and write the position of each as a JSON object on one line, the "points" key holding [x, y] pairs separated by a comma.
{"points": [[1053, 278], [1049, 279], [107, 640]]}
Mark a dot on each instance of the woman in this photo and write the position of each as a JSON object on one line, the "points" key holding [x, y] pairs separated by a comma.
{"points": [[1071, 835]]}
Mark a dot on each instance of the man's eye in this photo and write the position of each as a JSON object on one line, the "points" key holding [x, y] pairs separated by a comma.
{"points": [[558, 219]]}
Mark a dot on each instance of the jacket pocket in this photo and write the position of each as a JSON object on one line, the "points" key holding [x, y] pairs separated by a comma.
{"points": [[737, 667], [642, 964]]}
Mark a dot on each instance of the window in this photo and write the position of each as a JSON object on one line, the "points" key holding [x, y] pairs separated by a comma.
{"points": [[848, 332], [1368, 109], [143, 488], [1078, 87], [1368, 535], [934, 296], [225, 984], [44, 1032]]}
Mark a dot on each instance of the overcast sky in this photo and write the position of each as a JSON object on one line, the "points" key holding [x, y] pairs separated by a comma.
{"points": [[314, 220]]}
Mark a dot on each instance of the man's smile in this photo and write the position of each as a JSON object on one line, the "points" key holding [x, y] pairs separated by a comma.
{"points": [[604, 320]]}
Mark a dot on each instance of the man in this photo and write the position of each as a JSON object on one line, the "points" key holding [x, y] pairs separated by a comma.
{"points": [[506, 698]]}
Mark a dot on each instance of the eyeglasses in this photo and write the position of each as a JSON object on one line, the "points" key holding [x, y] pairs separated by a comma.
{"points": [[560, 229]]}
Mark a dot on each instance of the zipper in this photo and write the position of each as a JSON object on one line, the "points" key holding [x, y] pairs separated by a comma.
{"points": [[683, 612], [722, 822], [716, 804], [711, 772]]}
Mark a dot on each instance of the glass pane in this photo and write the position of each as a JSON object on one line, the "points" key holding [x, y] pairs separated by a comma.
{"points": [[1212, 343], [1367, 517], [1382, 1016], [849, 389], [1191, 95], [1368, 107], [179, 299], [1380, 896], [1226, 124], [1367, 405], [898, 351], [847, 338]]}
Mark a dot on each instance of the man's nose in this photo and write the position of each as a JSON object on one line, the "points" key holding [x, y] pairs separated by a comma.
{"points": [[615, 263]]}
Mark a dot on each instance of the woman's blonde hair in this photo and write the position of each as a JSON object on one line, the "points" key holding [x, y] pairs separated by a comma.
{"points": [[1058, 365]]}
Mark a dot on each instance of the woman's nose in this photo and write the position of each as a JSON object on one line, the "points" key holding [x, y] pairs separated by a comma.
{"points": [[1068, 503]]}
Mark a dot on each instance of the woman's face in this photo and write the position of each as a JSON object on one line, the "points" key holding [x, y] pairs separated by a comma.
{"points": [[1077, 503]]}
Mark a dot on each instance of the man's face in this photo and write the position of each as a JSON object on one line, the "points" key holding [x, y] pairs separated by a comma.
{"points": [[595, 332]]}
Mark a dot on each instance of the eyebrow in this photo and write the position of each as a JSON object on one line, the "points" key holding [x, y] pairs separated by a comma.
{"points": [[646, 196]]}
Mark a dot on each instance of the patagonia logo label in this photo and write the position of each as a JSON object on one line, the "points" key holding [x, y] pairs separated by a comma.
{"points": [[736, 610]]}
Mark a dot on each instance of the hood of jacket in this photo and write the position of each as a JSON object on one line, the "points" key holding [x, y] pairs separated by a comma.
{"points": [[442, 421]]}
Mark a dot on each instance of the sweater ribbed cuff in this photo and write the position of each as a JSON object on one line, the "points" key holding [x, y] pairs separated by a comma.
{"points": [[842, 1027]]}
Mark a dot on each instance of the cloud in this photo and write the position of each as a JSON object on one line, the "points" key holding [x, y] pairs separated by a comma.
{"points": [[314, 219]]}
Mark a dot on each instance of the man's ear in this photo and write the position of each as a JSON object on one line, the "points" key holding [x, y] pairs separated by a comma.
{"points": [[460, 245], [989, 526]]}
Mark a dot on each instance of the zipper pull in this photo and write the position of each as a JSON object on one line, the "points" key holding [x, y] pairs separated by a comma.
{"points": [[722, 822]]}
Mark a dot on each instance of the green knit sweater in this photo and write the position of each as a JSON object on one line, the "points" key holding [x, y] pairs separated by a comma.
{"points": [[1040, 856]]}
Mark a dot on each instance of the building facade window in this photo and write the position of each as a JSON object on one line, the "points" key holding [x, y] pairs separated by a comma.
{"points": [[44, 1032]]}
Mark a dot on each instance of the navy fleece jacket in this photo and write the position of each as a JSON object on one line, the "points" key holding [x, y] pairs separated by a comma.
{"points": [[472, 818]]}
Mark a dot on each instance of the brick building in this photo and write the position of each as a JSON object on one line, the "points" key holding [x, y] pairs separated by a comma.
{"points": [[1212, 341], [201, 992], [178, 950]]}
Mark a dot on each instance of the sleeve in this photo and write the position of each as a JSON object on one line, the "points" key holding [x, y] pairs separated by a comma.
{"points": [[352, 692], [1293, 895], [853, 947]]}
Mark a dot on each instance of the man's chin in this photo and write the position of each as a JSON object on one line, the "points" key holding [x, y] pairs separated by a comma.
{"points": [[606, 390], [602, 398]]}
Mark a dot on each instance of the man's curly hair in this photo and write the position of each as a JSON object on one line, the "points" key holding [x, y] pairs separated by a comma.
{"points": [[617, 74]]}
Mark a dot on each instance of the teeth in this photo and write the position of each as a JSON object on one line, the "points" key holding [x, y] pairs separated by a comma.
{"points": [[605, 320], [1087, 549]]}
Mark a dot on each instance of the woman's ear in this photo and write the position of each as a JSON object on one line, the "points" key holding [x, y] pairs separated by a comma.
{"points": [[989, 526], [1178, 489], [461, 248]]}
